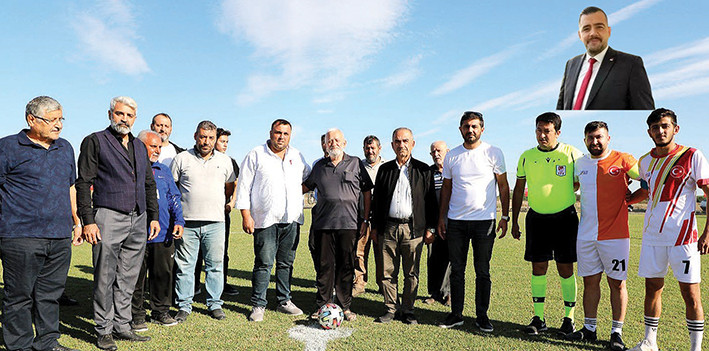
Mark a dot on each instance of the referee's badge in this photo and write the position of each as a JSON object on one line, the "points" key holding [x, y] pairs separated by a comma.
{"points": [[561, 170]]}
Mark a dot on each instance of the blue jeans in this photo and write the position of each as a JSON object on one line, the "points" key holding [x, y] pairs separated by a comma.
{"points": [[277, 242], [210, 237], [482, 236]]}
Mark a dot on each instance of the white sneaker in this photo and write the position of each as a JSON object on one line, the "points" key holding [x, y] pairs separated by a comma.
{"points": [[290, 308], [644, 345], [257, 314]]}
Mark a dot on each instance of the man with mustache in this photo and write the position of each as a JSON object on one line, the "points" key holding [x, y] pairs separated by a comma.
{"points": [[205, 179], [162, 124], [403, 217], [602, 78], [160, 251], [339, 180], [672, 173], [36, 244], [603, 243], [439, 268], [118, 217], [372, 161]]}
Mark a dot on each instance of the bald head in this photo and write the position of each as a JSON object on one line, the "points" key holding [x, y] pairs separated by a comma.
{"points": [[439, 149], [336, 142]]}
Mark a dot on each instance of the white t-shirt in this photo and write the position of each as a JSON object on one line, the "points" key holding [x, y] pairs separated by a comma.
{"points": [[672, 180], [472, 172], [167, 154]]}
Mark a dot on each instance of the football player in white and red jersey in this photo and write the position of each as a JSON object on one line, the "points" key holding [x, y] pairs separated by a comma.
{"points": [[603, 242], [672, 173]]}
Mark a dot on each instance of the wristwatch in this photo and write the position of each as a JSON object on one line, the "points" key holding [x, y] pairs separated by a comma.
{"points": [[505, 218]]}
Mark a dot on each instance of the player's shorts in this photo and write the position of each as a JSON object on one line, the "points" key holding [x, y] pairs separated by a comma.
{"points": [[684, 260], [551, 236], [609, 256]]}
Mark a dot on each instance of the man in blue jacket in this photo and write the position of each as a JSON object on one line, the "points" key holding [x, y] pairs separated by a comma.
{"points": [[160, 251]]}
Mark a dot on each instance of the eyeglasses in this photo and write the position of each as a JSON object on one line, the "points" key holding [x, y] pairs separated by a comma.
{"points": [[51, 122]]}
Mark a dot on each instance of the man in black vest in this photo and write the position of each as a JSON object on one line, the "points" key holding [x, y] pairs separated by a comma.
{"points": [[115, 217]]}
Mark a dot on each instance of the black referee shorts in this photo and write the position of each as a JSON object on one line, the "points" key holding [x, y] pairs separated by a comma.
{"points": [[551, 236]]}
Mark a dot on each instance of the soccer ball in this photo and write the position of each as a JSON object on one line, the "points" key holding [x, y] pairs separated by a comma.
{"points": [[330, 316]]}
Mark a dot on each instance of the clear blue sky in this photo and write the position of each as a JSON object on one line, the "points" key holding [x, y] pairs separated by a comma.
{"points": [[365, 66]]}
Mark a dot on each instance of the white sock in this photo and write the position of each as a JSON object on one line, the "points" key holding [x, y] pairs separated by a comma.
{"points": [[696, 332], [590, 324], [651, 324], [617, 327]]}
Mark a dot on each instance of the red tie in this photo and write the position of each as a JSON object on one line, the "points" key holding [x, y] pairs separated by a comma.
{"points": [[584, 84]]}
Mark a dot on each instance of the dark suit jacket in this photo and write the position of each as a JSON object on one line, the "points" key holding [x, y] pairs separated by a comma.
{"points": [[621, 84], [423, 193]]}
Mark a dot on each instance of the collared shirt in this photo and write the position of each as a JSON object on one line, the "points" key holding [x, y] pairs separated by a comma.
{"points": [[338, 191], [582, 74], [270, 187], [169, 202], [34, 188], [201, 182], [373, 168], [401, 201]]}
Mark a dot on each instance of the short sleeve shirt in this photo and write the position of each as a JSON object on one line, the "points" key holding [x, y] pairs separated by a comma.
{"points": [[472, 174], [672, 179], [201, 183], [604, 183], [338, 190], [550, 177], [34, 188]]}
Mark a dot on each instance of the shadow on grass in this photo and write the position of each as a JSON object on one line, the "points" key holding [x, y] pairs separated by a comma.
{"points": [[77, 321]]}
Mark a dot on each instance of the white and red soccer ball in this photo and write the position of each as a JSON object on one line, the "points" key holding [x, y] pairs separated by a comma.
{"points": [[330, 316]]}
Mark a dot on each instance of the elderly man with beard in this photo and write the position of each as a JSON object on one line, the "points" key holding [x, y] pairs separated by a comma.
{"points": [[339, 180], [439, 267], [160, 251], [205, 179], [116, 216]]}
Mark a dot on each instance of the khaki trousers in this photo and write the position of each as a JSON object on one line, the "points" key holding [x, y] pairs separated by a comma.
{"points": [[362, 261], [399, 246]]}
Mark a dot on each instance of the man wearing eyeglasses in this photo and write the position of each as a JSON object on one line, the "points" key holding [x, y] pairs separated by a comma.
{"points": [[35, 245], [119, 216]]}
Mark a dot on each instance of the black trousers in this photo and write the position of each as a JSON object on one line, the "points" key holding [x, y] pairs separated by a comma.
{"points": [[438, 267], [336, 248], [34, 273], [158, 263]]}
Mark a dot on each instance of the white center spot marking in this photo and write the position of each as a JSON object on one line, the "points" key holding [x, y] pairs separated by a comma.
{"points": [[316, 338]]}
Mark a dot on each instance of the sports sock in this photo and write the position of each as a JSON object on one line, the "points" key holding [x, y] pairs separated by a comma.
{"points": [[696, 332], [651, 324], [590, 324], [568, 291], [539, 292], [617, 327]]}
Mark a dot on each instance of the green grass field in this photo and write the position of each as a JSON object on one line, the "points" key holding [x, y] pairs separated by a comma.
{"points": [[510, 311]]}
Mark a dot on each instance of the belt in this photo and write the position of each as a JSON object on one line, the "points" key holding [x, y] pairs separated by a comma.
{"points": [[399, 220]]}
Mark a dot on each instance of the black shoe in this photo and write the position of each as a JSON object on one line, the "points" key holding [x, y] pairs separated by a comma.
{"points": [[139, 325], [105, 342], [217, 314], [230, 290], [484, 324], [65, 300], [181, 316], [62, 348], [582, 334], [567, 326], [535, 326], [451, 321], [410, 318], [164, 319], [130, 336], [385, 318], [617, 343]]}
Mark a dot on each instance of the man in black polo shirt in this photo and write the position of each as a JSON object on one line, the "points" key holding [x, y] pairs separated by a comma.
{"points": [[116, 216], [36, 168], [339, 180]]}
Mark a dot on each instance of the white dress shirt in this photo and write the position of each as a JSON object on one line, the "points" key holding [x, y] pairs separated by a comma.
{"points": [[270, 187], [401, 206], [582, 74]]}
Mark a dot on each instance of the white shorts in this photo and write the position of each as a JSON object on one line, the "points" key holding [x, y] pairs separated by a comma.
{"points": [[610, 256], [684, 260]]}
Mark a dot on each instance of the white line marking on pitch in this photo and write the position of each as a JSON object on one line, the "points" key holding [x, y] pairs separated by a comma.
{"points": [[315, 338]]}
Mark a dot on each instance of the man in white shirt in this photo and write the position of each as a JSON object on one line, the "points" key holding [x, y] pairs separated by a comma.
{"points": [[472, 173], [270, 197], [162, 124]]}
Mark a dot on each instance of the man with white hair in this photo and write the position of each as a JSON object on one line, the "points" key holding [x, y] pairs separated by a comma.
{"points": [[339, 180], [439, 266], [116, 217]]}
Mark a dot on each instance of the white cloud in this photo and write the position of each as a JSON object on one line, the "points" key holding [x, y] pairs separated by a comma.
{"points": [[696, 48], [107, 36], [537, 95], [428, 132], [613, 19], [681, 73], [466, 75], [410, 70], [314, 43], [682, 89]]}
